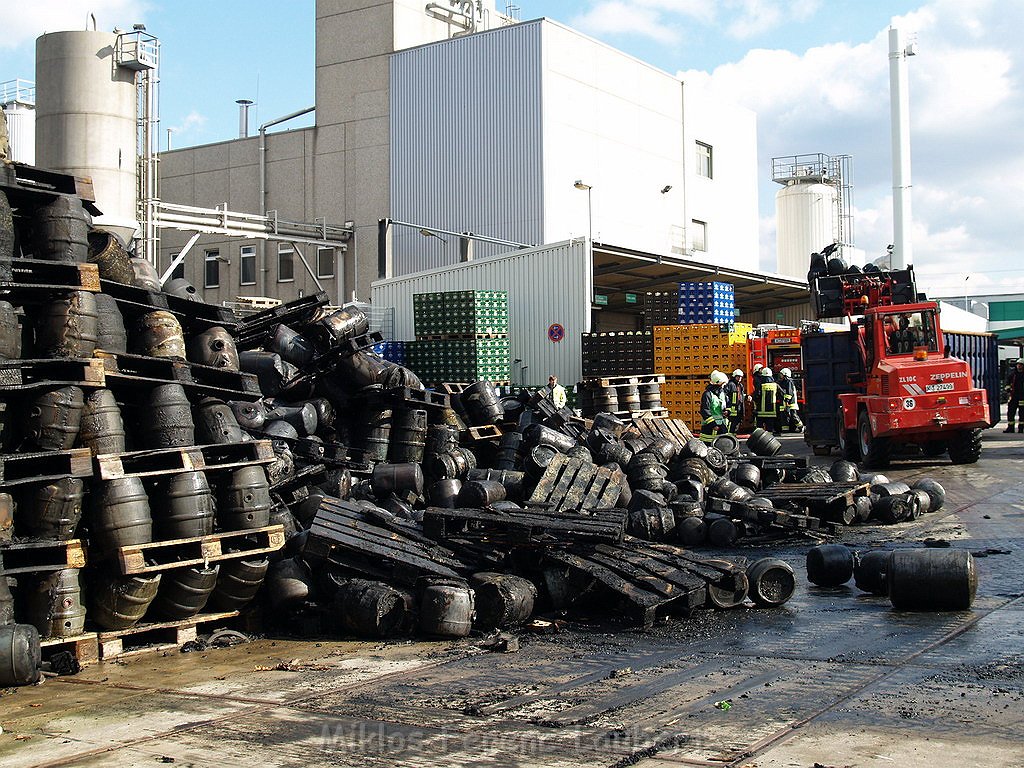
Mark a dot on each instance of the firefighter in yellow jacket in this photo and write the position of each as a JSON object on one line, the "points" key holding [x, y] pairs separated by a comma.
{"points": [[766, 401], [712, 408]]}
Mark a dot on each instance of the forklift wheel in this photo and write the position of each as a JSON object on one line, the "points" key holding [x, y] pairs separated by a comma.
{"points": [[874, 451], [847, 439], [965, 446]]}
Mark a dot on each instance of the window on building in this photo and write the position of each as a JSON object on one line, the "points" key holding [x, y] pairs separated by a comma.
{"points": [[285, 263], [247, 263], [704, 158], [179, 271], [212, 272], [324, 262], [700, 235]]}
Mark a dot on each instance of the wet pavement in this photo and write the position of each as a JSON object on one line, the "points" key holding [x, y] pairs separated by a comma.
{"points": [[834, 678]]}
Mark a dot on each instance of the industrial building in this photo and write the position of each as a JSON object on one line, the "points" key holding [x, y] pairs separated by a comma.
{"points": [[662, 170]]}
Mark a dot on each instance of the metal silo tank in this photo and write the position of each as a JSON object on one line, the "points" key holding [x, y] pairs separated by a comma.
{"points": [[21, 125], [806, 218], [86, 120]]}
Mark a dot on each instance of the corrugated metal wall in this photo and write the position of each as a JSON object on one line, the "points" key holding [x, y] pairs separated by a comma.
{"points": [[545, 285], [466, 143]]}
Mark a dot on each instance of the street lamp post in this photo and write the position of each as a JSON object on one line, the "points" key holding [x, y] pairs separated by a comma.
{"points": [[590, 211], [967, 307]]}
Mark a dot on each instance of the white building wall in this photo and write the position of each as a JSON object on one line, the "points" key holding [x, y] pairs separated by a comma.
{"points": [[614, 123], [727, 201], [544, 286], [490, 132]]}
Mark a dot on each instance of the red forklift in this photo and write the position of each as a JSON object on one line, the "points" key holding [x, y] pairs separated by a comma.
{"points": [[902, 386]]}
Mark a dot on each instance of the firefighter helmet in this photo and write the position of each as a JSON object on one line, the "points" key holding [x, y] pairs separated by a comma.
{"points": [[737, 372], [766, 372], [717, 377], [785, 373]]}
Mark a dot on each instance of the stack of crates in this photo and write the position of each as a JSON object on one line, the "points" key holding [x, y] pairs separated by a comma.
{"points": [[621, 353], [660, 308], [686, 355], [392, 351], [707, 302], [461, 336]]}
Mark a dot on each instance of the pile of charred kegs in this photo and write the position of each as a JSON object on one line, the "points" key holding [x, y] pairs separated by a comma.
{"points": [[73, 333]]}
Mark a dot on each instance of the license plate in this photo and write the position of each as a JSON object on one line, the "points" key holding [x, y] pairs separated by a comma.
{"points": [[944, 387]]}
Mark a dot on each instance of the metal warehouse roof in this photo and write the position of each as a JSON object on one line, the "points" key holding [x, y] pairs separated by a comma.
{"points": [[621, 270]]}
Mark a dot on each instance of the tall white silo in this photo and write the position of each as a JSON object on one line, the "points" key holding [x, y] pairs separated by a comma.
{"points": [[86, 120], [17, 99], [813, 209], [805, 223]]}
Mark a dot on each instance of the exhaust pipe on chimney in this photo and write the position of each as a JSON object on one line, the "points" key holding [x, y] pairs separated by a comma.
{"points": [[243, 117]]}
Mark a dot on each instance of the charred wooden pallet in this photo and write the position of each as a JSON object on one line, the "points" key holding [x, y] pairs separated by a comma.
{"points": [[254, 330], [646, 582], [150, 637], [27, 375], [479, 434], [44, 466], [815, 496], [194, 316], [767, 517], [26, 277], [84, 648], [128, 370], [41, 556], [166, 461], [643, 413], [29, 186], [764, 463], [671, 429], [408, 397], [197, 550], [343, 534], [528, 525], [575, 484]]}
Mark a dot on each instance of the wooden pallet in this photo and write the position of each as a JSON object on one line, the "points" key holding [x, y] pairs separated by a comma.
{"points": [[166, 461], [43, 467], [642, 413], [815, 496], [141, 370], [84, 647], [528, 525], [42, 556], [25, 277], [670, 429], [254, 330], [767, 518], [198, 550], [153, 637], [645, 581], [27, 375], [347, 536], [29, 186], [194, 316], [575, 484], [479, 434], [414, 398]]}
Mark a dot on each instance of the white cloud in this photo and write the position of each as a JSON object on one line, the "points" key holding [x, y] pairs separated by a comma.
{"points": [[658, 20], [192, 120], [33, 18], [621, 18], [967, 102]]}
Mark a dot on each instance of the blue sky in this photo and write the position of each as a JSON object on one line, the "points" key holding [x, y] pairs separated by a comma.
{"points": [[814, 71]]}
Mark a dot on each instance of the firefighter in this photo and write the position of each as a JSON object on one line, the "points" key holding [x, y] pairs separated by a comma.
{"points": [[1015, 403], [556, 392], [766, 401], [712, 408], [735, 395], [789, 405]]}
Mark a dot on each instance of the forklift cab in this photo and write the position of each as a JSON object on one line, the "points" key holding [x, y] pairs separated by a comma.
{"points": [[909, 332]]}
